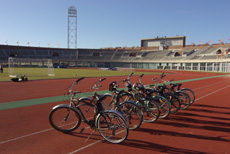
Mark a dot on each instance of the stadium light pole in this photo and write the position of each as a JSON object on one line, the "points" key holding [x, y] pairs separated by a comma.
{"points": [[72, 27]]}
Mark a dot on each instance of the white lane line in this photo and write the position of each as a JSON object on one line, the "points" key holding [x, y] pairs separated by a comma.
{"points": [[82, 148], [30, 135], [212, 92], [89, 145], [209, 85], [26, 135]]}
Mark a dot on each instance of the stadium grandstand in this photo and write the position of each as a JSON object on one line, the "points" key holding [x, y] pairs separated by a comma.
{"points": [[157, 53]]}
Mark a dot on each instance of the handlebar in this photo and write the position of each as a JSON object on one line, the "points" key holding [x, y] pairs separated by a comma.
{"points": [[95, 86], [161, 78], [102, 79], [79, 79], [140, 77], [75, 82], [129, 77], [124, 80], [117, 84], [131, 74]]}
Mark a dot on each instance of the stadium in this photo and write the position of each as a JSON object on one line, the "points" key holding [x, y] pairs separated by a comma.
{"points": [[170, 53], [27, 109]]}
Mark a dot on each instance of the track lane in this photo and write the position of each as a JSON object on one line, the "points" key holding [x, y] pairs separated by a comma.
{"points": [[156, 135]]}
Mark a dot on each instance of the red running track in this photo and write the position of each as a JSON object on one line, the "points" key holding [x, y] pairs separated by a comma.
{"points": [[203, 128]]}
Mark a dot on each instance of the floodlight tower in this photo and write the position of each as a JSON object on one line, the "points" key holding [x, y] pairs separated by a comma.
{"points": [[72, 27]]}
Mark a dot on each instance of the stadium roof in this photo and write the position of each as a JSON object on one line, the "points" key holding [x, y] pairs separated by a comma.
{"points": [[162, 38]]}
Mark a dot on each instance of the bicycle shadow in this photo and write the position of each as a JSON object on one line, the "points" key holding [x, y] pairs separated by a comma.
{"points": [[181, 125], [198, 121], [204, 116], [158, 147], [92, 137], [178, 134], [207, 111], [210, 106]]}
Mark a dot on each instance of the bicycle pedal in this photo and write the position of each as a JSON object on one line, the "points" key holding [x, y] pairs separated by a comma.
{"points": [[81, 131]]}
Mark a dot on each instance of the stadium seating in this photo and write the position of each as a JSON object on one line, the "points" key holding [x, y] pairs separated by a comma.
{"points": [[116, 57]]}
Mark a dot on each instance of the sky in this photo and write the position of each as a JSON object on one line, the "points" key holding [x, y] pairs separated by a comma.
{"points": [[112, 23]]}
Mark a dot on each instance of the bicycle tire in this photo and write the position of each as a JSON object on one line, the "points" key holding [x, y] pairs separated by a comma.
{"points": [[107, 101], [174, 102], [164, 106], [191, 94], [64, 119], [184, 99], [112, 126], [150, 110], [146, 110], [132, 112], [125, 97]]}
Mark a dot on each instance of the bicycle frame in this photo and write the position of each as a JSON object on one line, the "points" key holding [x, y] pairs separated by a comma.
{"points": [[95, 102], [96, 96]]}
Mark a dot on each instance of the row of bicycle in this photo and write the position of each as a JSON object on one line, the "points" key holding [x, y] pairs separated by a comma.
{"points": [[114, 114]]}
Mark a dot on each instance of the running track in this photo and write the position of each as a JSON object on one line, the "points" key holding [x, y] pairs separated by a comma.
{"points": [[203, 128]]}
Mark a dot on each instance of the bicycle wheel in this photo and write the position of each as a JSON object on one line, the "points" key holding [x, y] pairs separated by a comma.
{"points": [[190, 93], [112, 126], [132, 112], [174, 102], [164, 106], [125, 97], [150, 110], [64, 119], [109, 99], [184, 99]]}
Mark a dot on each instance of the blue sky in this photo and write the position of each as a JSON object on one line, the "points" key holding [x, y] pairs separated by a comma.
{"points": [[112, 23]]}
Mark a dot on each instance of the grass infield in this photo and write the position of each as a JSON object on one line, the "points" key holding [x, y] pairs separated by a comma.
{"points": [[61, 73]]}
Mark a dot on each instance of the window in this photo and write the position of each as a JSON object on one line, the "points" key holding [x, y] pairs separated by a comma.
{"points": [[13, 54], [202, 66], [96, 54], [55, 54]]}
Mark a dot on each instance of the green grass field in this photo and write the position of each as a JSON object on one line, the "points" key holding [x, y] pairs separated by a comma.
{"points": [[42, 73]]}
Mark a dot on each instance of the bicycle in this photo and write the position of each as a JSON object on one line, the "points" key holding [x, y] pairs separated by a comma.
{"points": [[148, 105], [170, 93], [129, 109], [67, 117], [184, 97], [156, 89], [162, 102], [190, 92]]}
